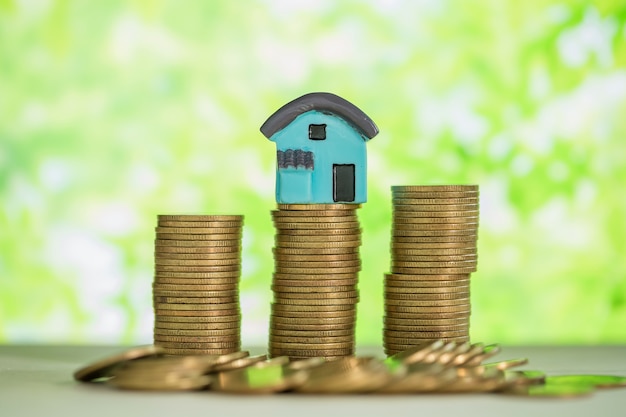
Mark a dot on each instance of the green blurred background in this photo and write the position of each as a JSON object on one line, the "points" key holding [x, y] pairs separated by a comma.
{"points": [[112, 112]]}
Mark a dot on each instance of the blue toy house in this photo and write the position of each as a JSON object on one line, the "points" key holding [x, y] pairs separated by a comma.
{"points": [[320, 150]]}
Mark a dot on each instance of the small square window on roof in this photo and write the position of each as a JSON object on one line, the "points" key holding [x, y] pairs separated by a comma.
{"points": [[317, 132]]}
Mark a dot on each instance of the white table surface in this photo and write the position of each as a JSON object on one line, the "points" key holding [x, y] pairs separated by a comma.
{"points": [[37, 381]]}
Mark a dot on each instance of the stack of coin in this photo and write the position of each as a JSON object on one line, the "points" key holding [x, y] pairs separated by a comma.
{"points": [[433, 253], [195, 290], [316, 264]]}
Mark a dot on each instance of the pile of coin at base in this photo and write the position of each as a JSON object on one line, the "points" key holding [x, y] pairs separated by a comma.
{"points": [[196, 284], [316, 266], [433, 253], [434, 368]]}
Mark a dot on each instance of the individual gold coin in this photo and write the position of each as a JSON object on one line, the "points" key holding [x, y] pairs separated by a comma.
{"points": [[434, 188], [433, 233], [318, 207], [158, 338], [196, 294], [103, 367], [198, 306], [398, 200], [392, 348], [315, 301], [231, 238], [426, 303], [239, 363], [281, 341], [435, 239], [161, 324], [321, 329], [324, 244], [279, 220], [198, 332], [409, 331], [425, 287], [198, 256], [200, 351], [159, 261], [184, 288], [199, 224], [312, 279], [199, 230], [434, 271], [349, 294], [320, 291], [319, 264], [312, 213], [316, 251], [410, 205], [314, 321], [402, 218], [199, 277], [451, 212], [199, 345], [433, 258], [190, 250], [349, 230], [406, 324], [229, 316], [459, 308], [200, 218], [435, 264], [353, 256], [294, 285], [433, 297], [447, 290], [310, 353], [161, 312], [312, 271], [323, 346], [352, 236], [440, 228], [181, 383], [435, 194], [307, 229], [428, 280], [164, 244], [461, 245], [426, 315], [186, 283], [198, 268], [341, 310], [195, 301], [413, 337]]}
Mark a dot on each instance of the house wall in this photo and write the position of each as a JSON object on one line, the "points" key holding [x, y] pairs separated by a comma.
{"points": [[343, 145]]}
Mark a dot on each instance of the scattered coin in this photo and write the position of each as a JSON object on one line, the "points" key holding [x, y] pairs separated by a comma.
{"points": [[103, 367]]}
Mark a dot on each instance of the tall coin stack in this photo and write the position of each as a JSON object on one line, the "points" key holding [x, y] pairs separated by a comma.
{"points": [[316, 264], [195, 289], [433, 253]]}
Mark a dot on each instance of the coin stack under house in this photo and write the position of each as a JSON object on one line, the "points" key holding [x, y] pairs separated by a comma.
{"points": [[316, 258], [433, 253], [195, 289]]}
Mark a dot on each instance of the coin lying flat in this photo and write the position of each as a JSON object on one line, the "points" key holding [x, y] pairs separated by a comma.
{"points": [[435, 188], [103, 367], [318, 207], [179, 383], [347, 375], [210, 326]]}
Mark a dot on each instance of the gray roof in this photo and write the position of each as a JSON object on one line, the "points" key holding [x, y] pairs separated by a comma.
{"points": [[323, 102]]}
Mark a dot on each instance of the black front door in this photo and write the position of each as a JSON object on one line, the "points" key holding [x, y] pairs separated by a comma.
{"points": [[343, 182]]}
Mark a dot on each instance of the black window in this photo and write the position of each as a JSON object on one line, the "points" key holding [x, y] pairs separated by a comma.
{"points": [[317, 132]]}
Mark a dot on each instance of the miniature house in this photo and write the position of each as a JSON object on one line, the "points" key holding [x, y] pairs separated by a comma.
{"points": [[320, 150]]}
